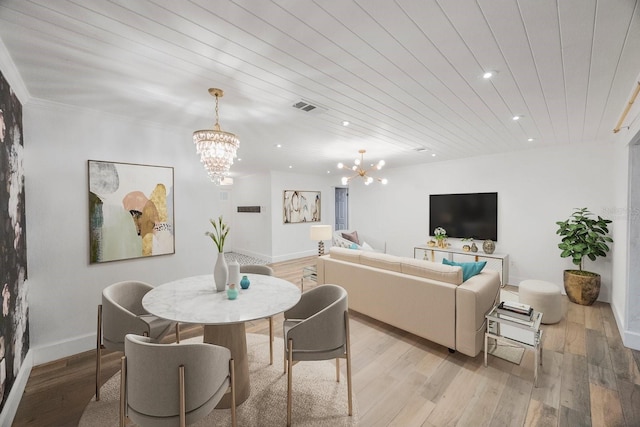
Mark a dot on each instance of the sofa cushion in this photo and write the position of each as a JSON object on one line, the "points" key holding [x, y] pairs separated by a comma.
{"points": [[353, 236], [432, 270], [344, 254], [469, 269], [383, 261]]}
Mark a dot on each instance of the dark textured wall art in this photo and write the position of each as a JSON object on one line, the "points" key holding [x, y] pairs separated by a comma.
{"points": [[130, 211], [14, 316]]}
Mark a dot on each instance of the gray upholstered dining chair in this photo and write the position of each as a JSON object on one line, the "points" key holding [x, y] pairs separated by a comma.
{"points": [[121, 313], [173, 384], [267, 271], [317, 328]]}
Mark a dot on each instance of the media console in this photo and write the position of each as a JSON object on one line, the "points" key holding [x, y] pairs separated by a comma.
{"points": [[499, 262]]}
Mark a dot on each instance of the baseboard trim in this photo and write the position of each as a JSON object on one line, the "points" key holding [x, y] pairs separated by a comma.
{"points": [[631, 340], [62, 349], [287, 257], [17, 390]]}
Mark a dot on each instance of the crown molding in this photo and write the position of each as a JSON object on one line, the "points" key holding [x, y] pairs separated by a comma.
{"points": [[12, 75]]}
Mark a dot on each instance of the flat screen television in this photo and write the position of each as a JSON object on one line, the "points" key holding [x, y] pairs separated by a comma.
{"points": [[465, 215]]}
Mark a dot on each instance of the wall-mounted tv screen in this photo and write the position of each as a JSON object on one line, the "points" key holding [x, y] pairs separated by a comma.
{"points": [[465, 215]]}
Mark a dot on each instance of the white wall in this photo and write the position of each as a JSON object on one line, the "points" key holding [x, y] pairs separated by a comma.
{"points": [[64, 288], [291, 241], [252, 231], [535, 189]]}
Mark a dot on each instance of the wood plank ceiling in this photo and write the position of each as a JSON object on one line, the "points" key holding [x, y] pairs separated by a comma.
{"points": [[406, 74]]}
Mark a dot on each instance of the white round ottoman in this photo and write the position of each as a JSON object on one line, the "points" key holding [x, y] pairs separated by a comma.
{"points": [[544, 297]]}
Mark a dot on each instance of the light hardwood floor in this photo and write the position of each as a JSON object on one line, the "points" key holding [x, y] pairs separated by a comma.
{"points": [[588, 377]]}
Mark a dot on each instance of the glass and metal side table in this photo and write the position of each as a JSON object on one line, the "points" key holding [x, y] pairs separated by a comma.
{"points": [[523, 333], [309, 272]]}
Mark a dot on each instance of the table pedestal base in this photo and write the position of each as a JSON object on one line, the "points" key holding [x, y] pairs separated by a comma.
{"points": [[232, 336]]}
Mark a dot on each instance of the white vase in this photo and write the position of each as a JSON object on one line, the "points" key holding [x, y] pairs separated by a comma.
{"points": [[234, 273], [220, 273]]}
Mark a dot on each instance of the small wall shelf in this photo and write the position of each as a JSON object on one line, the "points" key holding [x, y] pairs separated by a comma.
{"points": [[499, 262]]}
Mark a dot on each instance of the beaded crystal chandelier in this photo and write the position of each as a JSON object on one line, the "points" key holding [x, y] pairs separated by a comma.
{"points": [[217, 148], [359, 170]]}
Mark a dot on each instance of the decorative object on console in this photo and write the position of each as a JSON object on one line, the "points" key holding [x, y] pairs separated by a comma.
{"points": [[221, 270], [320, 233], [469, 248], [301, 206], [583, 236], [361, 172], [488, 246], [469, 269], [441, 237], [217, 148], [245, 282]]}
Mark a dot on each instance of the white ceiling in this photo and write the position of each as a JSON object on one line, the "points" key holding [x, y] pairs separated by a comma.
{"points": [[405, 73]]}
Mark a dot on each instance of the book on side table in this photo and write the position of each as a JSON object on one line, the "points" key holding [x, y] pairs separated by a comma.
{"points": [[515, 310]]}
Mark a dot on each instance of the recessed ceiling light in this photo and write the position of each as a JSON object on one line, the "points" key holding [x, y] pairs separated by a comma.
{"points": [[278, 145], [433, 154], [290, 167], [487, 75], [516, 117], [239, 159], [328, 171], [530, 139], [345, 123]]}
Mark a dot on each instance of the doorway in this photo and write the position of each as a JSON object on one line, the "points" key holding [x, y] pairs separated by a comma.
{"points": [[342, 209]]}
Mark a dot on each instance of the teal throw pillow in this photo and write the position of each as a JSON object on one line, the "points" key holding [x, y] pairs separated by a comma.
{"points": [[469, 269], [353, 246]]}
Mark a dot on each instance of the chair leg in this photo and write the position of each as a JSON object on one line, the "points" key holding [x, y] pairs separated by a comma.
{"points": [[270, 340], [232, 371], [348, 356], [181, 403], [337, 370], [98, 352], [289, 381], [123, 390]]}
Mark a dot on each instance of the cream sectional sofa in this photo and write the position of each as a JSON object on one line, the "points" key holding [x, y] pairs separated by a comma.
{"points": [[421, 297]]}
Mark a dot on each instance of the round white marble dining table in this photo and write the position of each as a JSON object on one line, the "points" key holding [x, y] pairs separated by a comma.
{"points": [[195, 300]]}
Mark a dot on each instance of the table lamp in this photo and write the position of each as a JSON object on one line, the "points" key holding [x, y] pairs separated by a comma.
{"points": [[320, 233]]}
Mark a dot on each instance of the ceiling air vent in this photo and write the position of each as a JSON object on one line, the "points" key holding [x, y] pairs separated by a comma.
{"points": [[308, 107]]}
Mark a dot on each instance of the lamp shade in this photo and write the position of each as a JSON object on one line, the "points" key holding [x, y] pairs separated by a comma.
{"points": [[320, 232]]}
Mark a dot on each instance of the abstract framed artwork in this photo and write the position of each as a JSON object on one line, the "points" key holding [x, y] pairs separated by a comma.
{"points": [[301, 206], [130, 211]]}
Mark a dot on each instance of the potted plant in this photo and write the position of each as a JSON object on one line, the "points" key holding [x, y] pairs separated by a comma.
{"points": [[219, 235], [583, 236]]}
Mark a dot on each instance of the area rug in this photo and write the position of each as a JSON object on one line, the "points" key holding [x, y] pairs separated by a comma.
{"points": [[318, 400], [243, 259]]}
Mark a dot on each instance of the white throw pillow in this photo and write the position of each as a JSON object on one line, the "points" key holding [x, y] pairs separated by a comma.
{"points": [[366, 247]]}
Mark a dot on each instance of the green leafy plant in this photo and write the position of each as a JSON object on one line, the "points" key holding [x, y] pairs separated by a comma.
{"points": [[583, 236], [219, 234]]}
